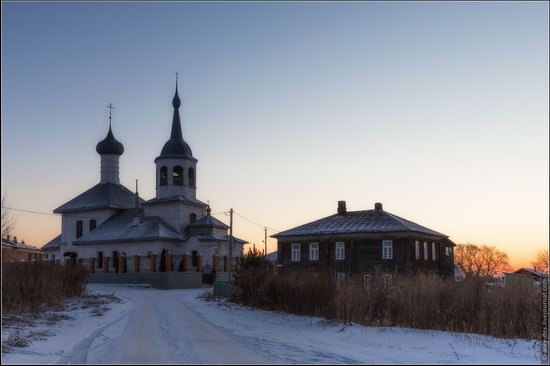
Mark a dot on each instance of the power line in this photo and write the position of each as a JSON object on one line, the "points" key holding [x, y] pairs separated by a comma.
{"points": [[168, 217]]}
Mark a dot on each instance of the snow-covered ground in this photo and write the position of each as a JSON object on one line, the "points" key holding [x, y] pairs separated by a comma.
{"points": [[176, 326]]}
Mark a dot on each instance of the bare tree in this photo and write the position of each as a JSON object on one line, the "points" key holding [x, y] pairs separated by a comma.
{"points": [[541, 261], [480, 261], [8, 219]]}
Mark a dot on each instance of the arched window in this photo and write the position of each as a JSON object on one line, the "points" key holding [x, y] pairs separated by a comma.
{"points": [[79, 228], [191, 174], [177, 176], [163, 176], [93, 224], [192, 218]]}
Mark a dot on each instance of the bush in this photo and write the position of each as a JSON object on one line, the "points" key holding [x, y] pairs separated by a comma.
{"points": [[27, 286], [413, 301]]}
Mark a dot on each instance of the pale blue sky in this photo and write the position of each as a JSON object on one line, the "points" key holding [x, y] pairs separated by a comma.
{"points": [[439, 110]]}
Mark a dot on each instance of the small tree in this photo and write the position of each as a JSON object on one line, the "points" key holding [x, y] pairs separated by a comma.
{"points": [[8, 219], [480, 261], [253, 269], [541, 262]]}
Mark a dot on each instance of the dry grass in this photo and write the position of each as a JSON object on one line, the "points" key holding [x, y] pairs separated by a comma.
{"points": [[419, 301], [29, 286]]}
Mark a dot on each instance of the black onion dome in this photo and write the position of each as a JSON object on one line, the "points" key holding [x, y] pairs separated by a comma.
{"points": [[109, 145], [176, 145]]}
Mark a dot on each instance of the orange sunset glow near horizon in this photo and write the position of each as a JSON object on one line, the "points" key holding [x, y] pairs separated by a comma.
{"points": [[437, 110]]}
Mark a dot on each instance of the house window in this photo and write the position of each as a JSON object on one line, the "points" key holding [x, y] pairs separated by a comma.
{"points": [[93, 224], [387, 280], [216, 251], [340, 277], [192, 218], [163, 176], [191, 175], [417, 249], [99, 259], [177, 176], [295, 252], [340, 250], [434, 252], [387, 249], [447, 252], [79, 228], [366, 280], [314, 251], [426, 254]]}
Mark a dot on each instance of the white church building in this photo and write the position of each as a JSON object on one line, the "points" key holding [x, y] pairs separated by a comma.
{"points": [[109, 220]]}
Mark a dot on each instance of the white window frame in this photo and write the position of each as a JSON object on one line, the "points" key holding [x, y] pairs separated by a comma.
{"points": [[447, 251], [387, 249], [313, 251], [295, 253], [340, 251], [340, 276], [417, 249], [434, 252], [426, 251]]}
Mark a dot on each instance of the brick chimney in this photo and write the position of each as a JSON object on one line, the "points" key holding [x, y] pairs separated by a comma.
{"points": [[8, 237], [15, 239], [378, 206], [341, 207]]}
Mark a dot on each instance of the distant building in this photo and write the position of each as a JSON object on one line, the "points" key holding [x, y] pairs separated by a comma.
{"points": [[524, 276], [364, 243], [14, 251], [108, 219]]}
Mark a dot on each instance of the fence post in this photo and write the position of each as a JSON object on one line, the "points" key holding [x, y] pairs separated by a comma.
{"points": [[226, 263], [168, 262], [199, 263], [214, 263], [106, 264], [80, 262], [185, 262], [153, 261], [136, 263], [91, 265], [66, 263], [121, 263]]}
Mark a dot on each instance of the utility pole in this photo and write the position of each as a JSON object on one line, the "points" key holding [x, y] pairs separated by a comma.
{"points": [[265, 242], [231, 246]]}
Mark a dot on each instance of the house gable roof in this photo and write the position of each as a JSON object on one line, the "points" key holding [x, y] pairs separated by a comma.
{"points": [[102, 195], [358, 222], [55, 243]]}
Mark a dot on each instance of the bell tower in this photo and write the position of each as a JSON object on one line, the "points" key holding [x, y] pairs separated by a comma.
{"points": [[176, 168]]}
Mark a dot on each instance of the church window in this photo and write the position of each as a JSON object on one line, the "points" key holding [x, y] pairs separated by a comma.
{"points": [[177, 176], [192, 218], [93, 224], [79, 228], [163, 176], [191, 174]]}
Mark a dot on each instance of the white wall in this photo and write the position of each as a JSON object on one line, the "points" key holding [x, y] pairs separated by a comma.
{"points": [[131, 249], [177, 214], [68, 225]]}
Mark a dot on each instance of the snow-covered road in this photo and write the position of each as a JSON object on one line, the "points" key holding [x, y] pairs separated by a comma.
{"points": [[159, 326]]}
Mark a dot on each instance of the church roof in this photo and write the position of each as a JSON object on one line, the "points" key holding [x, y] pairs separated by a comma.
{"points": [[122, 228], [55, 243], [176, 146], [209, 220], [102, 195], [109, 145], [359, 222], [176, 198], [215, 237]]}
